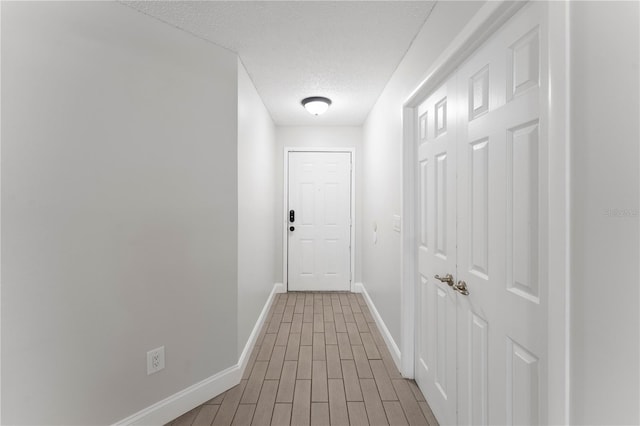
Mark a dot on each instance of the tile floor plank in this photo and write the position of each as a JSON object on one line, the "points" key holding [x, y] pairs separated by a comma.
{"points": [[318, 323], [267, 346], [385, 387], [281, 415], [252, 391], [275, 364], [351, 382], [330, 333], [287, 382], [275, 322], [320, 414], [409, 404], [363, 327], [394, 413], [319, 392], [357, 414], [344, 300], [306, 338], [334, 367], [301, 410], [428, 414], [218, 399], [264, 407], [252, 361], [296, 323], [328, 313], [341, 326], [244, 415], [229, 405], [348, 314], [370, 346], [287, 316], [344, 346], [416, 390], [337, 403], [283, 334], [354, 334], [293, 346], [362, 362], [206, 415], [304, 363], [291, 300], [373, 403], [187, 418], [319, 352], [307, 316]]}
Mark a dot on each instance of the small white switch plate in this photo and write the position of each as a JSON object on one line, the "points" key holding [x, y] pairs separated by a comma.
{"points": [[155, 360], [396, 222]]}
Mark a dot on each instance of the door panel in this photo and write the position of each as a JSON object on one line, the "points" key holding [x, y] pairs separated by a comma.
{"points": [[500, 187], [436, 331], [320, 245]]}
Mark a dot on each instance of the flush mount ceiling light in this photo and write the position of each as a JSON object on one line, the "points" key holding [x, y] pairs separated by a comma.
{"points": [[316, 105]]}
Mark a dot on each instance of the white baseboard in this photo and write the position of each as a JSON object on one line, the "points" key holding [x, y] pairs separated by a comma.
{"points": [[179, 403], [391, 344], [248, 347]]}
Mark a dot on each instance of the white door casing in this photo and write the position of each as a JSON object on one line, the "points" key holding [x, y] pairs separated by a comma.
{"points": [[501, 187], [436, 237], [319, 246]]}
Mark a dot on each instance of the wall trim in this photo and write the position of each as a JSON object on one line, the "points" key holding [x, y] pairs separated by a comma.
{"points": [[388, 339], [187, 399]]}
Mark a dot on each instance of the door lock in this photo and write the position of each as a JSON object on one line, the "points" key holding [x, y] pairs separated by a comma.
{"points": [[292, 216], [292, 228]]}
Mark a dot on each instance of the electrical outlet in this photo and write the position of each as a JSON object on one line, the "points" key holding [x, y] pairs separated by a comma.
{"points": [[155, 360]]}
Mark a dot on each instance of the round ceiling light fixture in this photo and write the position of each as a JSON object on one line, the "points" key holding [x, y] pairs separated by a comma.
{"points": [[316, 105]]}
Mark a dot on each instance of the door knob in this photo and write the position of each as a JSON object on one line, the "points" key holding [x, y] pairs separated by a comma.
{"points": [[446, 279], [292, 228], [461, 288]]}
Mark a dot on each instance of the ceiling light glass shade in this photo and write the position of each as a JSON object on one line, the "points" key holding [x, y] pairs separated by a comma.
{"points": [[316, 105]]}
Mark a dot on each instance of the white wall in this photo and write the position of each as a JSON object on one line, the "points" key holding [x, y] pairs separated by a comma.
{"points": [[317, 137], [256, 205], [119, 211], [382, 159], [605, 276]]}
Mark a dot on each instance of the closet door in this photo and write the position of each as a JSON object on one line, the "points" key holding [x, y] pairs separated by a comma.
{"points": [[436, 301], [502, 169]]}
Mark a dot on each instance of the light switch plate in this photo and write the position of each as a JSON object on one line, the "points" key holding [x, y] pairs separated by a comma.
{"points": [[396, 223]]}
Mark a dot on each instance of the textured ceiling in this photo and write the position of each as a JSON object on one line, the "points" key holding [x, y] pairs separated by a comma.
{"points": [[345, 50]]}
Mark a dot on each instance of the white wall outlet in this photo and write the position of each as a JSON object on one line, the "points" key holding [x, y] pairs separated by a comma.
{"points": [[155, 360]]}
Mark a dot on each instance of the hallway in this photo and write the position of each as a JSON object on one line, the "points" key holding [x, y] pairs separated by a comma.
{"points": [[319, 360]]}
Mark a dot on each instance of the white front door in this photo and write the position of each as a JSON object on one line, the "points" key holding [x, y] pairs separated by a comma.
{"points": [[495, 190], [319, 221], [436, 328]]}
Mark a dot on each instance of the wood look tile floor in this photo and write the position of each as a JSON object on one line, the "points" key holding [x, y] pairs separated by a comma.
{"points": [[319, 360]]}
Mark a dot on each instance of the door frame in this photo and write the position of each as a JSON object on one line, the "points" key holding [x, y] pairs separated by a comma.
{"points": [[285, 203], [483, 25]]}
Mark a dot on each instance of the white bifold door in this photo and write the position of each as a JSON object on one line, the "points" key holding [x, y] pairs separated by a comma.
{"points": [[481, 348], [319, 221]]}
